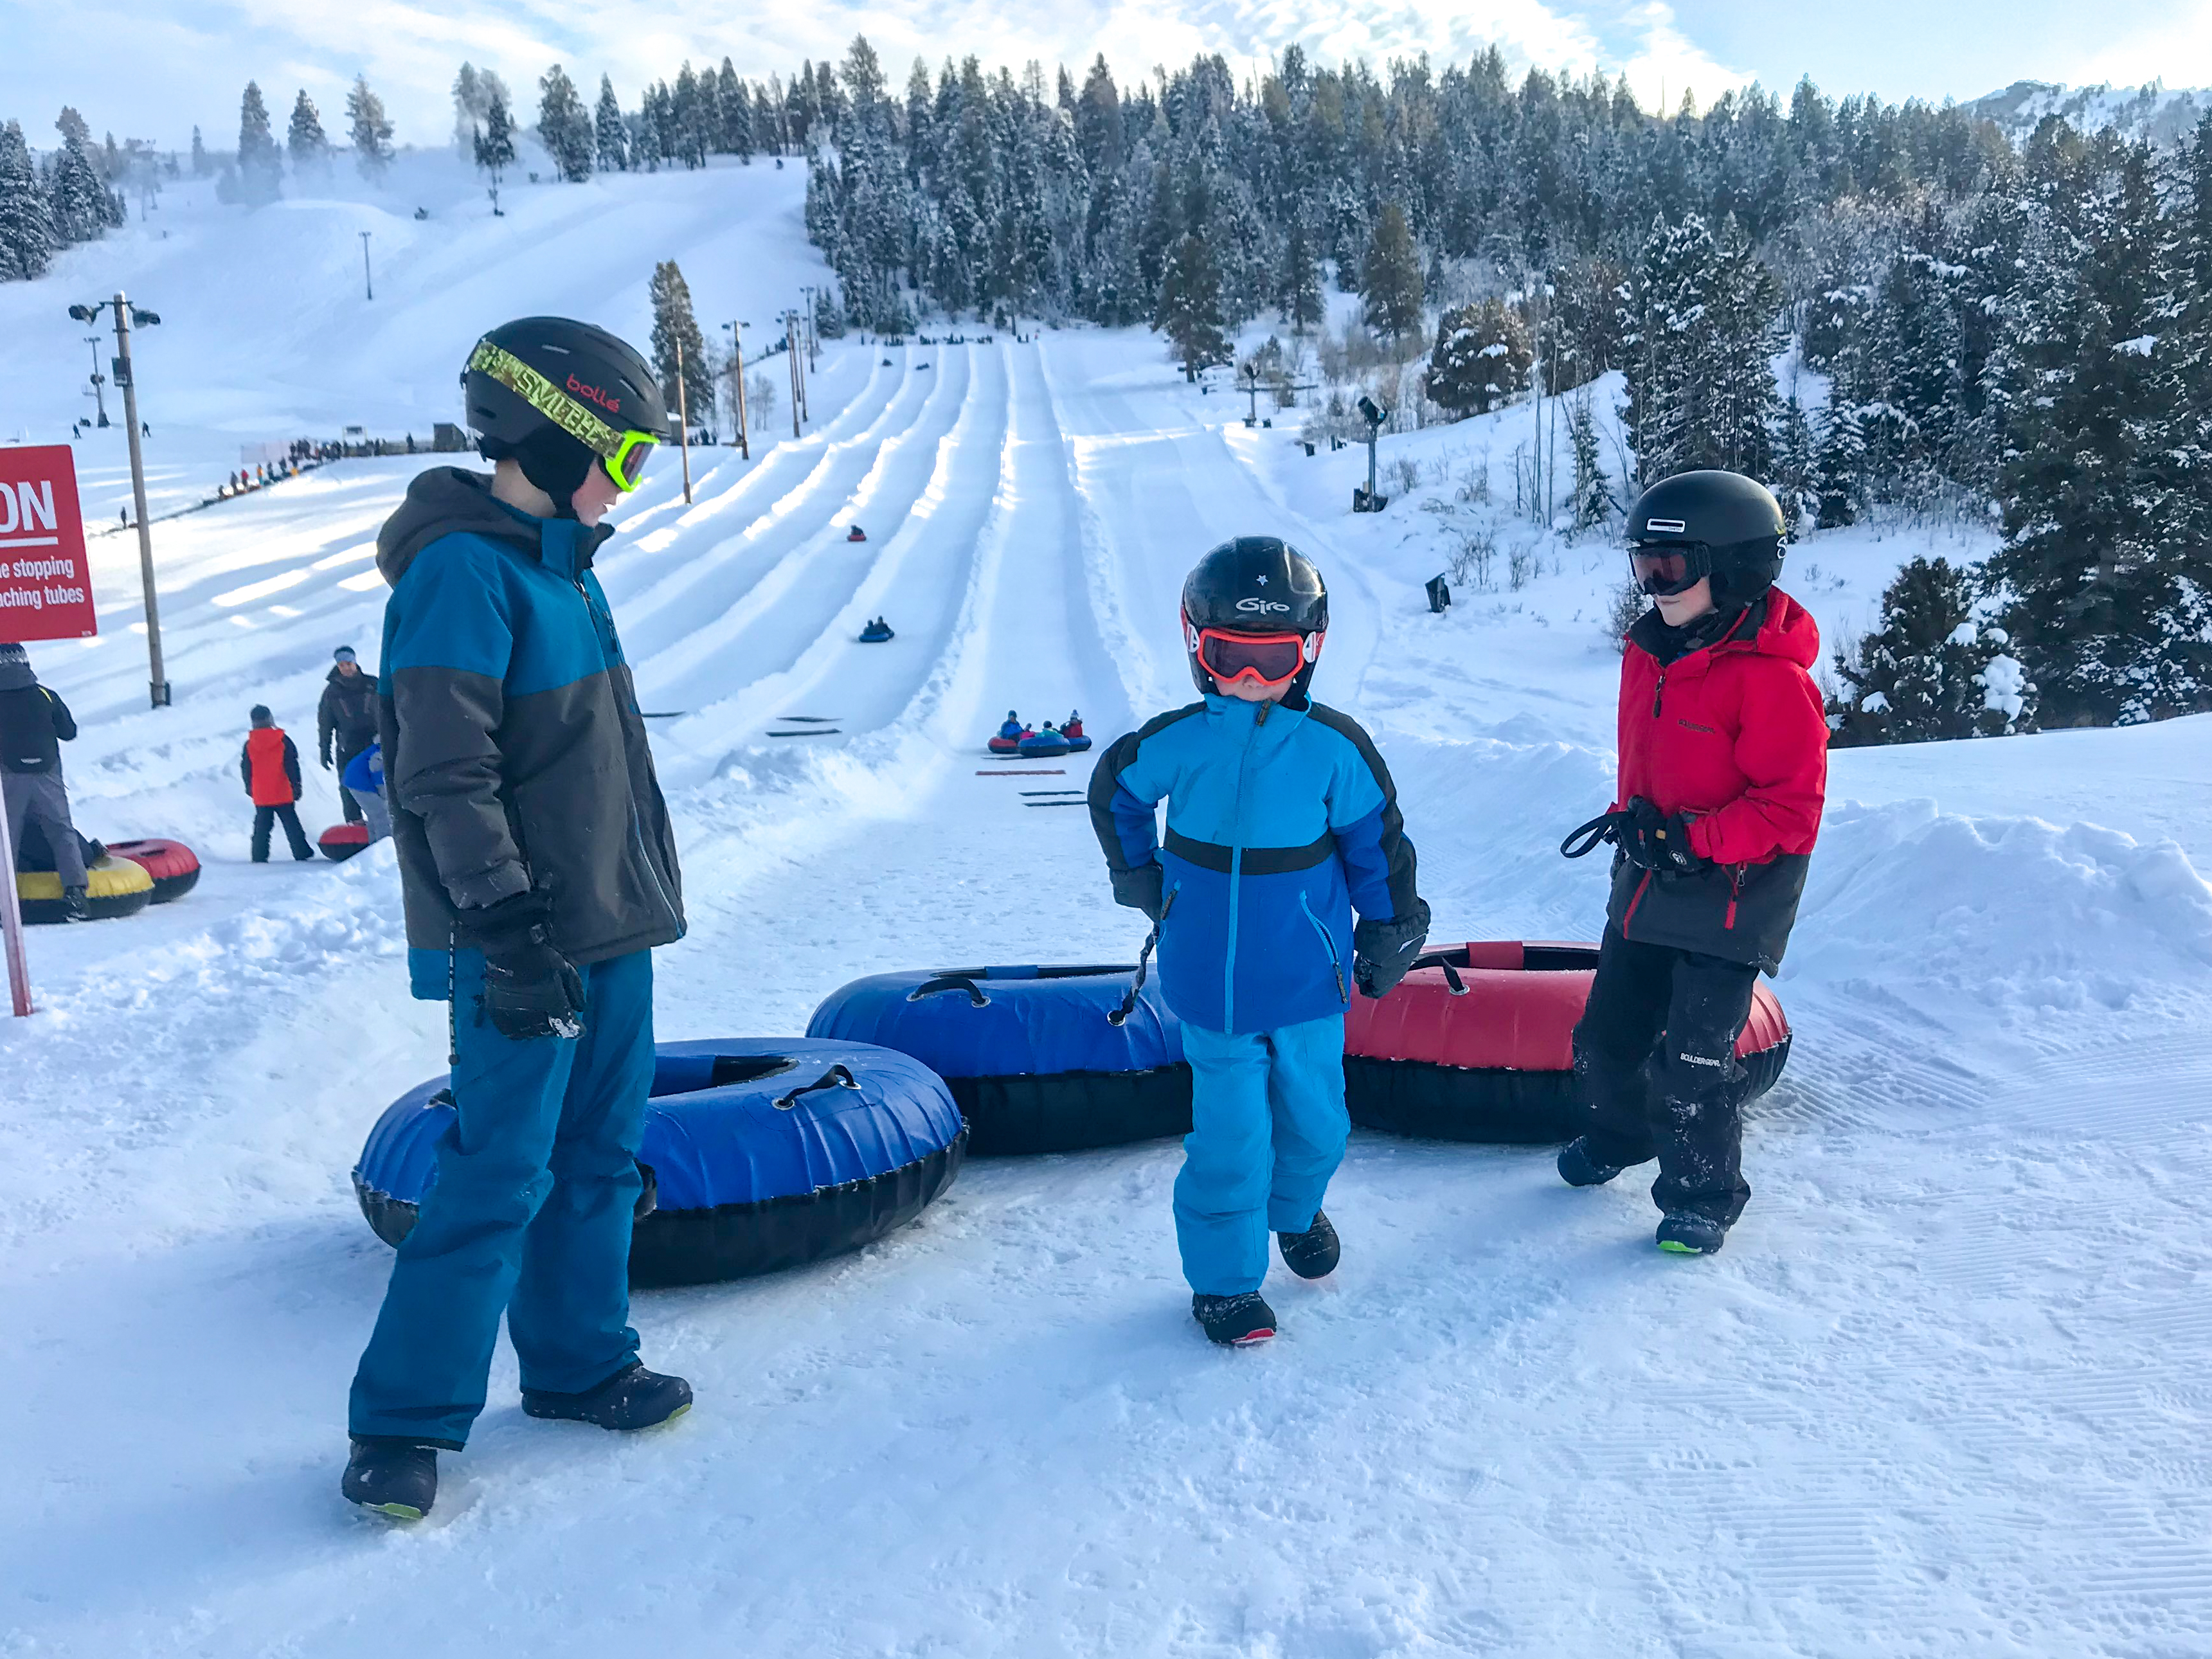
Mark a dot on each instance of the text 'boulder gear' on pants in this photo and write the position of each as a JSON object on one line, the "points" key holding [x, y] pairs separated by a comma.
{"points": [[1268, 1131], [41, 798], [530, 1215], [1679, 1101]]}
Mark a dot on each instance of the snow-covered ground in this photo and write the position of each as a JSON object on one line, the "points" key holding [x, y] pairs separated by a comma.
{"points": [[1943, 1394]]}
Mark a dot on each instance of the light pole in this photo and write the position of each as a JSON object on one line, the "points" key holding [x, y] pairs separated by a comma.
{"points": [[125, 315], [737, 356], [99, 398], [683, 421], [366, 281]]}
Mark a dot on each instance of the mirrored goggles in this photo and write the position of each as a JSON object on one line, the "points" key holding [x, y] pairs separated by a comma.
{"points": [[1270, 660], [1665, 568]]}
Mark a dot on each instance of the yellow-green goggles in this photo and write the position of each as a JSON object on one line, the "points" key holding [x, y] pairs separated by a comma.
{"points": [[623, 454]]}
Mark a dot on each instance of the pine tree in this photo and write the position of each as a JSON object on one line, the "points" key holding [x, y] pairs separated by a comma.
{"points": [[260, 165], [672, 322], [1190, 308], [735, 136], [468, 109], [563, 127], [1481, 358], [371, 129], [27, 235], [201, 166], [73, 127], [1838, 467], [1593, 494], [494, 148], [692, 126], [611, 140], [78, 201], [1300, 297], [1698, 326], [310, 146], [1932, 671], [1390, 280]]}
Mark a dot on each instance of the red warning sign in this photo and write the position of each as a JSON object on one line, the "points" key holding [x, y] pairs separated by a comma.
{"points": [[45, 586]]}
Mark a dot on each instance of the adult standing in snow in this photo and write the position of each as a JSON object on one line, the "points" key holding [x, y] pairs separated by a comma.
{"points": [[1723, 771], [540, 869], [33, 724], [346, 720]]}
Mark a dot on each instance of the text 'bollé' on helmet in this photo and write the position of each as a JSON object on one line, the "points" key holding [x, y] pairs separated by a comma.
{"points": [[554, 394], [1710, 523], [1260, 587]]}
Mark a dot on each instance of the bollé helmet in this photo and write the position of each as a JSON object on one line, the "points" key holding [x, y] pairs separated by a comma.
{"points": [[553, 393]]}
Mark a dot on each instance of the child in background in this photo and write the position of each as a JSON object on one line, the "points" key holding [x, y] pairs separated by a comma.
{"points": [[1281, 819], [271, 767], [364, 781]]}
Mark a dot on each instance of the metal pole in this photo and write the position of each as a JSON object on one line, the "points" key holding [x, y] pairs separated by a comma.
{"points": [[791, 366], [738, 345], [365, 281], [1371, 430], [683, 421], [11, 925], [99, 398], [158, 685], [798, 366]]}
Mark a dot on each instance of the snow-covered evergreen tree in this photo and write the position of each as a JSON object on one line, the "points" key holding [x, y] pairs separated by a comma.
{"points": [[1699, 320], [309, 145], [673, 323], [609, 136], [1480, 359], [494, 148], [1593, 492], [1391, 279], [261, 163], [564, 127], [81, 204], [735, 105], [1190, 308], [1933, 670], [201, 166], [371, 130], [28, 237]]}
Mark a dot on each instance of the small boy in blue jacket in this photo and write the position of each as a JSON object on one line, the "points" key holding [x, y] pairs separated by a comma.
{"points": [[1281, 820]]}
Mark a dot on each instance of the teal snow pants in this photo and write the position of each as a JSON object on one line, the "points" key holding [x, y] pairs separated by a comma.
{"points": [[1268, 1127], [529, 1216]]}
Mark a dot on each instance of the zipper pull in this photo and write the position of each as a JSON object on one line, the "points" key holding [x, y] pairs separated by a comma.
{"points": [[1658, 693], [1260, 718]]}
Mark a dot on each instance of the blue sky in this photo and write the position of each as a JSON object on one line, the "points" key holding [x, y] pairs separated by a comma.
{"points": [[151, 67]]}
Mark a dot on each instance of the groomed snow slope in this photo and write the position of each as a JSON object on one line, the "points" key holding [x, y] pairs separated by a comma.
{"points": [[1943, 1394]]}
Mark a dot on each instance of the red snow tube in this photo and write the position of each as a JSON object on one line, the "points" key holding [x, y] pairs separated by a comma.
{"points": [[341, 840], [175, 866], [1478, 1044]]}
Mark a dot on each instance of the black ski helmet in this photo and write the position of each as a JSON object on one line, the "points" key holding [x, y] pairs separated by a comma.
{"points": [[1730, 525], [1255, 585], [552, 393]]}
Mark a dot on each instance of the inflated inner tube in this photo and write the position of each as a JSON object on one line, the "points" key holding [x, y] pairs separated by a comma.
{"points": [[1043, 745], [341, 840], [115, 887], [1477, 1043], [1029, 1053], [175, 866], [757, 1154]]}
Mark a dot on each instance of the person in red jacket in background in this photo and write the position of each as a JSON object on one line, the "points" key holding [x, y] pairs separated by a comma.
{"points": [[270, 767], [1723, 772]]}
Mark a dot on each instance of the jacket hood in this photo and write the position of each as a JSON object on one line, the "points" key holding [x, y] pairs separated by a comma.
{"points": [[1788, 631], [446, 501], [16, 676]]}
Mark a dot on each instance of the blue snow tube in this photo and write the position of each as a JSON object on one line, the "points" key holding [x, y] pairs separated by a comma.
{"points": [[758, 1153], [1042, 745], [1029, 1053]]}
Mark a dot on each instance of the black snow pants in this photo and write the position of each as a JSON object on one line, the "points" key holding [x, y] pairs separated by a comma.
{"points": [[265, 818], [1655, 1053]]}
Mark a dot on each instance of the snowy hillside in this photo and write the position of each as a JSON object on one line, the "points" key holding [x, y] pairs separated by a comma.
{"points": [[2159, 114], [1943, 1394]]}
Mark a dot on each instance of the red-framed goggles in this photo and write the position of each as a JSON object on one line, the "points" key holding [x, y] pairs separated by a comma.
{"points": [[623, 454], [1665, 568], [1269, 659]]}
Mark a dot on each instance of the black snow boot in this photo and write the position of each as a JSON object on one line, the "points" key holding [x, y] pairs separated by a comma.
{"points": [[1685, 1232], [1578, 1169], [76, 903], [633, 1398], [398, 1478], [1312, 1254], [1235, 1321]]}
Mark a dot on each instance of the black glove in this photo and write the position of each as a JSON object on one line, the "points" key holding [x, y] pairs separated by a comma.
{"points": [[1140, 889], [327, 760], [1382, 951], [530, 990], [1656, 841]]}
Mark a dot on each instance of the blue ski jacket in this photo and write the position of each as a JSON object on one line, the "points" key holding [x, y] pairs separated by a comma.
{"points": [[1280, 820]]}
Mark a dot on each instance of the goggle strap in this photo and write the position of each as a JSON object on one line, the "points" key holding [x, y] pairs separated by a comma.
{"points": [[548, 399]]}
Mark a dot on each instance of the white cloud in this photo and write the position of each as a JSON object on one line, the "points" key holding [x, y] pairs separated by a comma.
{"points": [[1670, 63], [2176, 50]]}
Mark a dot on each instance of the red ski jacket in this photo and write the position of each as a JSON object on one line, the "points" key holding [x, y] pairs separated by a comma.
{"points": [[270, 766], [1734, 735]]}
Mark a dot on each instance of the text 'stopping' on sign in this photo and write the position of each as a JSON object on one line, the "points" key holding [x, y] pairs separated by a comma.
{"points": [[45, 586]]}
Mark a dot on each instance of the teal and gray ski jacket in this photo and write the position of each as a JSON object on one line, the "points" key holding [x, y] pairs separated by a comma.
{"points": [[514, 755]]}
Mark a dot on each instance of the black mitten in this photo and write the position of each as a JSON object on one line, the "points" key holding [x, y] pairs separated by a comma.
{"points": [[530, 990], [1383, 951], [1140, 889], [1657, 841]]}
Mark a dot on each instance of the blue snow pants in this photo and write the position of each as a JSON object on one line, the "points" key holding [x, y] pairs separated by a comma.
{"points": [[1268, 1127], [529, 1216]]}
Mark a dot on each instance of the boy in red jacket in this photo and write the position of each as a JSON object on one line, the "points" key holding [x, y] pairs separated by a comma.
{"points": [[270, 765], [1723, 770]]}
